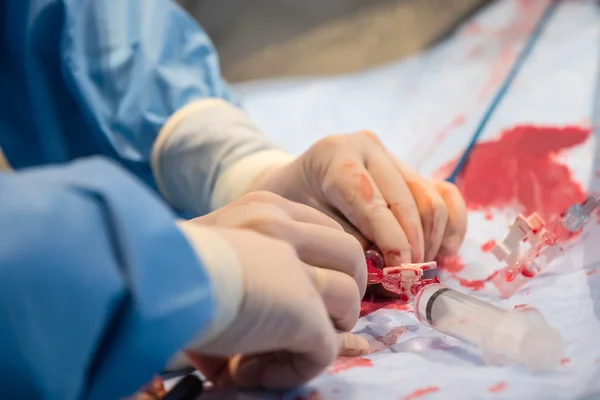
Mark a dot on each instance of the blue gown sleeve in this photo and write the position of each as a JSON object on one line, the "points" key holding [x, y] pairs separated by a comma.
{"points": [[131, 64], [98, 287]]}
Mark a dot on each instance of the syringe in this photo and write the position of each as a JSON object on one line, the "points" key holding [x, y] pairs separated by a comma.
{"points": [[520, 336]]}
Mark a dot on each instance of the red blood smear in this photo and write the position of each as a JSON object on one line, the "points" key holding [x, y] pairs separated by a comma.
{"points": [[366, 189], [498, 388], [389, 339], [370, 306], [565, 361], [488, 246], [520, 170], [519, 306], [346, 363], [422, 392], [488, 216], [476, 284], [452, 265], [591, 272]]}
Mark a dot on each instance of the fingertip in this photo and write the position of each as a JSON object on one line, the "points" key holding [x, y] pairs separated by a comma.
{"points": [[351, 345]]}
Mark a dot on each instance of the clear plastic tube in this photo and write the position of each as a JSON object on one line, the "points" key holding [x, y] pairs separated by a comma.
{"points": [[503, 337]]}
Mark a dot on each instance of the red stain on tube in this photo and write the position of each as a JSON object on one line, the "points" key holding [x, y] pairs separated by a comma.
{"points": [[488, 246], [520, 170], [346, 363], [417, 394]]}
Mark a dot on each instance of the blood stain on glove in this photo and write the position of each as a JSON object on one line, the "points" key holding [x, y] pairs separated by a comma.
{"points": [[520, 170], [591, 272], [498, 388], [564, 362], [346, 363], [366, 189], [422, 392]]}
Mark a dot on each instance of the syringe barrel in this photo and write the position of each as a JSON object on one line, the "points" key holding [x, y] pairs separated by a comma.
{"points": [[520, 336]]}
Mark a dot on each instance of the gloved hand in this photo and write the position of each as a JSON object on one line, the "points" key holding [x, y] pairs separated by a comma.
{"points": [[277, 325], [355, 178], [317, 239]]}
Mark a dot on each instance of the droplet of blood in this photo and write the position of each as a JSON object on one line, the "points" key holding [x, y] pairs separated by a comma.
{"points": [[488, 246]]}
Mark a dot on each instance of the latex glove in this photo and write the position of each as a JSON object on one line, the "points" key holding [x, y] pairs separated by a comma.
{"points": [[358, 182], [274, 310], [317, 239]]}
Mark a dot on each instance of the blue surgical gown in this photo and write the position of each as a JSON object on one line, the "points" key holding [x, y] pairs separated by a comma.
{"points": [[97, 286], [101, 77]]}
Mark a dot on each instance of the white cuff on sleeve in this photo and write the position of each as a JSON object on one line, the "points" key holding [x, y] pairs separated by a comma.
{"points": [[205, 140], [165, 134], [223, 267], [234, 182]]}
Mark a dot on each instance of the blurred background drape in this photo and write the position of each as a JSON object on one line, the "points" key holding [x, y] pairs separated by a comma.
{"points": [[274, 38]]}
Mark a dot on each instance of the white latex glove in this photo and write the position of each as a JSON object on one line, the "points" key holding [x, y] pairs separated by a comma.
{"points": [[317, 239], [274, 325], [358, 182]]}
